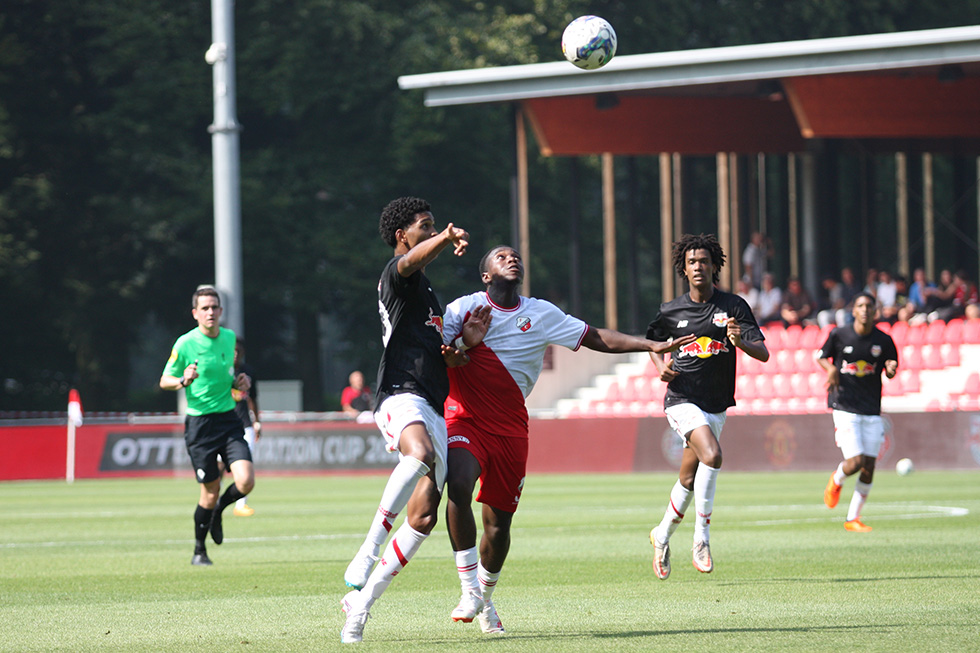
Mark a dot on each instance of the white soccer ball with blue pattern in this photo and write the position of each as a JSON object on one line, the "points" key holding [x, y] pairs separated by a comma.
{"points": [[589, 42], [904, 467]]}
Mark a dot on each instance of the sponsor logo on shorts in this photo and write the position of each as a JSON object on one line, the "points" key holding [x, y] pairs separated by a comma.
{"points": [[459, 438]]}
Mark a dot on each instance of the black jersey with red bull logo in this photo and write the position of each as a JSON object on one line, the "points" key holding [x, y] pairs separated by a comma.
{"points": [[860, 361], [411, 321], [707, 365]]}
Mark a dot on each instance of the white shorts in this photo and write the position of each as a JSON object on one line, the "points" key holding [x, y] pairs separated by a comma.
{"points": [[684, 418], [858, 434], [398, 411], [250, 438]]}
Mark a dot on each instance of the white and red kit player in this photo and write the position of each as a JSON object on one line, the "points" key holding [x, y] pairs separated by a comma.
{"points": [[487, 420]]}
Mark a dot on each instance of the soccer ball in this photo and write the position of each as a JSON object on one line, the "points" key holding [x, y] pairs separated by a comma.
{"points": [[904, 467], [589, 42]]}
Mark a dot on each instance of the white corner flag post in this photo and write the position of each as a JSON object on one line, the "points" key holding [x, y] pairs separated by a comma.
{"points": [[74, 421]]}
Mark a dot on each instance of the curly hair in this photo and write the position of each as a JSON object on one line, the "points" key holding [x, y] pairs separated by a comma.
{"points": [[400, 214], [706, 242]]}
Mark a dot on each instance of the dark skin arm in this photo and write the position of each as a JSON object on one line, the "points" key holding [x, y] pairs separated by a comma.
{"points": [[426, 251], [614, 342]]}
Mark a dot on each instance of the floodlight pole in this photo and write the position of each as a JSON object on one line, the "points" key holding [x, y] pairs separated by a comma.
{"points": [[224, 146]]}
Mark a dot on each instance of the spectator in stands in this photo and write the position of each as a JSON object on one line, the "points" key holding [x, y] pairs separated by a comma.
{"points": [[890, 313], [964, 293], [797, 305], [770, 301], [917, 296], [854, 358], [750, 294], [886, 293], [840, 295], [972, 312], [941, 295], [755, 258], [700, 387], [871, 282], [357, 400]]}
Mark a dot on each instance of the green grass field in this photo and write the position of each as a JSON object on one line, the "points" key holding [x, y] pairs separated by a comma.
{"points": [[105, 565]]}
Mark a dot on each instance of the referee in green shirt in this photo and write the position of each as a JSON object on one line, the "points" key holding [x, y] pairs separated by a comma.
{"points": [[202, 362]]}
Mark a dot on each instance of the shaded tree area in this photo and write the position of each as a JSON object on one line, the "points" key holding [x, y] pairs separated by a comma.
{"points": [[106, 221]]}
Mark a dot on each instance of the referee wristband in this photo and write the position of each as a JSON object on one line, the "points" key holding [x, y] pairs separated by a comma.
{"points": [[458, 344]]}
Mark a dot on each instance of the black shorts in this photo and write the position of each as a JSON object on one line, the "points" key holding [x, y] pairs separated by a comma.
{"points": [[207, 436]]}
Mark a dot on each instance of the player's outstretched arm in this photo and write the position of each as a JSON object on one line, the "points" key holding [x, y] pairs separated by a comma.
{"points": [[425, 252], [615, 342]]}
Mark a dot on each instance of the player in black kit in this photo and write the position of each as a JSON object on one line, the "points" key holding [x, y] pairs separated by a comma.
{"points": [[854, 357], [412, 389], [700, 380]]}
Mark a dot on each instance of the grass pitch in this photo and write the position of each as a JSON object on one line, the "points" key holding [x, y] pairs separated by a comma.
{"points": [[105, 565]]}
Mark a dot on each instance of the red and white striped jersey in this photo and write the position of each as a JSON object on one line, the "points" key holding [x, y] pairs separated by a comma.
{"points": [[491, 388]]}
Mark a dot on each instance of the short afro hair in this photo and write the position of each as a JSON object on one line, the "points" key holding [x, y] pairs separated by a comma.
{"points": [[400, 214], [706, 242]]}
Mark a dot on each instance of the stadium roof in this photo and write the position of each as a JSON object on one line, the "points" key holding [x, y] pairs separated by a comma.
{"points": [[905, 90]]}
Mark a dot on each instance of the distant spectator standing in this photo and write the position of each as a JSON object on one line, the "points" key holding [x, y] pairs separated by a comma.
{"points": [[797, 304], [941, 295], [770, 301], [755, 257], [247, 409], [357, 399]]}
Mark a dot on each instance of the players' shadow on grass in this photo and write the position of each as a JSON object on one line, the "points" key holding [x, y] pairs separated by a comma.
{"points": [[758, 581]]}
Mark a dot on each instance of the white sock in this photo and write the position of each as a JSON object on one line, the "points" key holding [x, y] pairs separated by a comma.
{"points": [[241, 503], [488, 581], [680, 499], [860, 495], [466, 563], [404, 477], [839, 475], [704, 500], [400, 549]]}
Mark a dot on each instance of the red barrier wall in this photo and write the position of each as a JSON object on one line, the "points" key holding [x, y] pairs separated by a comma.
{"points": [[749, 443]]}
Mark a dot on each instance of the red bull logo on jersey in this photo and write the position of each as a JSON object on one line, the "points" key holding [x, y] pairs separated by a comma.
{"points": [[719, 319], [524, 323], [857, 368], [703, 347], [434, 321]]}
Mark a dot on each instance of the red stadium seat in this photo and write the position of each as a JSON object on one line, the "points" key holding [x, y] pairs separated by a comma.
{"points": [[972, 385], [950, 355], [953, 333], [792, 336], [899, 333], [806, 360], [783, 360], [775, 337], [936, 332], [811, 337], [931, 357], [971, 332], [614, 392], [916, 334], [910, 381], [910, 357], [782, 386]]}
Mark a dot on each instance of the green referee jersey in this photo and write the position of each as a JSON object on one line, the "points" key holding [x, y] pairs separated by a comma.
{"points": [[211, 391]]}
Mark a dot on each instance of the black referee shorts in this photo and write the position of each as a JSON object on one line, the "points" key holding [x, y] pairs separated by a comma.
{"points": [[207, 436]]}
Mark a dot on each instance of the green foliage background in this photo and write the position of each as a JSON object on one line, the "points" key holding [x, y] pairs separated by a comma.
{"points": [[105, 169]]}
